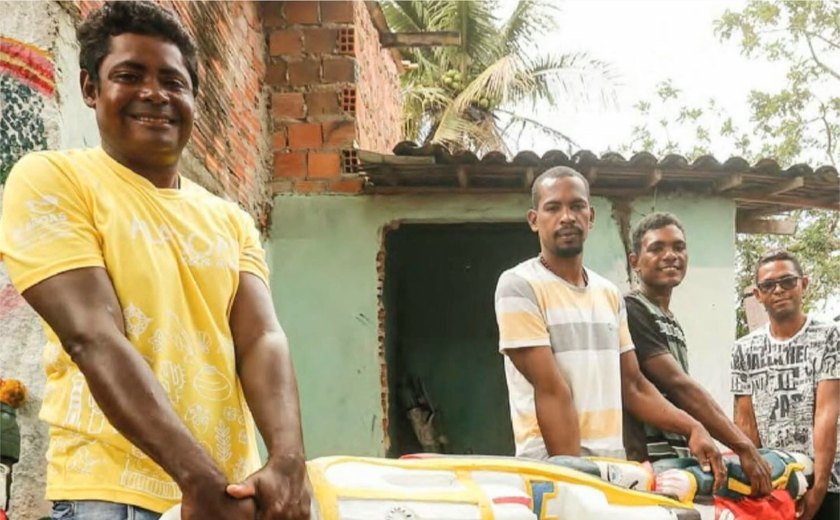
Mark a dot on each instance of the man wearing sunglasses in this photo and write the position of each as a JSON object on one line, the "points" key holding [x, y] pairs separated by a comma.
{"points": [[786, 381]]}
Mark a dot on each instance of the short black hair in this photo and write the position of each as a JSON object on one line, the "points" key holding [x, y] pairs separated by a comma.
{"points": [[779, 255], [558, 172], [137, 17], [657, 220]]}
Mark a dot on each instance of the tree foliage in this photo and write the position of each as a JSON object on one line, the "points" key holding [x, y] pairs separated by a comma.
{"points": [[798, 123], [476, 96]]}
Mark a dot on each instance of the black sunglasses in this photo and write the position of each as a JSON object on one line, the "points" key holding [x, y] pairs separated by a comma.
{"points": [[786, 283]]}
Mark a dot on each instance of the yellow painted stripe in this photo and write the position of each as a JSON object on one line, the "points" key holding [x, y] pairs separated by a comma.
{"points": [[521, 325]]}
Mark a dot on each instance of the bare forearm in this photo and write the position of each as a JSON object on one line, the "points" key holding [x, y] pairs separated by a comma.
{"points": [[270, 387], [698, 403], [646, 404], [745, 420], [825, 447], [134, 402], [558, 421]]}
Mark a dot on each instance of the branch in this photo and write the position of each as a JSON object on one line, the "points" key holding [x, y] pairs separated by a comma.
{"points": [[821, 37], [823, 66], [830, 145]]}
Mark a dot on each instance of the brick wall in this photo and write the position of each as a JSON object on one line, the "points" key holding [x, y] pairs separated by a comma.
{"points": [[229, 150], [379, 103], [320, 56]]}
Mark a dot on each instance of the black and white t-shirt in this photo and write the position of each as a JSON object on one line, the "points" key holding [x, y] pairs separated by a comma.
{"points": [[782, 378]]}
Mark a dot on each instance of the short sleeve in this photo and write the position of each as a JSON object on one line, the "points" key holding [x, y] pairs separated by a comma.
{"points": [[741, 384], [625, 341], [47, 224], [521, 323], [828, 364], [648, 340], [251, 253]]}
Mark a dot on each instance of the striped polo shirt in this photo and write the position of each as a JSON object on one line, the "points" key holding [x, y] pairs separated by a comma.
{"points": [[586, 328]]}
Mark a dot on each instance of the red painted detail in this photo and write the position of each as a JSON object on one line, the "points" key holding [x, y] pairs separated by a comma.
{"points": [[27, 64], [10, 299], [525, 501]]}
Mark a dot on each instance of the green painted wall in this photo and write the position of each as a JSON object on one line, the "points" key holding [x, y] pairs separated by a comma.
{"points": [[323, 252]]}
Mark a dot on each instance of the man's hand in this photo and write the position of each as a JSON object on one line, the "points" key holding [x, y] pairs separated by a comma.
{"points": [[702, 446], [808, 505], [209, 500], [757, 470], [280, 489]]}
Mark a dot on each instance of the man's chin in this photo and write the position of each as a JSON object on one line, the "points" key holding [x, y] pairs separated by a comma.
{"points": [[568, 252]]}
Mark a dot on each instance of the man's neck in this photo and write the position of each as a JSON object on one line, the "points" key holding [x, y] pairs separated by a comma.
{"points": [[569, 269], [788, 328], [163, 176], [659, 296]]}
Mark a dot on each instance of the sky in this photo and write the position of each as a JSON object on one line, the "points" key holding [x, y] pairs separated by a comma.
{"points": [[647, 42]]}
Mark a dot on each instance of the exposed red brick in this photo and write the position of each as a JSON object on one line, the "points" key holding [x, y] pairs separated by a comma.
{"points": [[281, 185], [339, 134], [339, 70], [285, 42], [304, 136], [288, 105], [324, 164], [322, 103], [272, 14], [278, 140], [275, 74], [320, 40], [304, 72], [347, 185], [310, 186], [301, 12], [291, 164], [337, 11]]}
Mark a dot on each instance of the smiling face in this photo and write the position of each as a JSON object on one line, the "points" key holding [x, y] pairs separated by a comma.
{"points": [[780, 288], [663, 258], [563, 216], [144, 101]]}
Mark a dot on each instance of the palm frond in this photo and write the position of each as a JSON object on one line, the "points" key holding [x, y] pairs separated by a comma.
{"points": [[518, 123], [529, 20]]}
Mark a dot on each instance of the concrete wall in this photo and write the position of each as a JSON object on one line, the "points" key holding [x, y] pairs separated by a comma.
{"points": [[40, 107], [325, 279]]}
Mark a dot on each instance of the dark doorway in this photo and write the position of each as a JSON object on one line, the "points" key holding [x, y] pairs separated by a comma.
{"points": [[441, 340]]}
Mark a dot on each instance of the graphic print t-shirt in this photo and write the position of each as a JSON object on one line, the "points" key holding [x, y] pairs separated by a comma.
{"points": [[174, 258], [782, 378], [586, 329]]}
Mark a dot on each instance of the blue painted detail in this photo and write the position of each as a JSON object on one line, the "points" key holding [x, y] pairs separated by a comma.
{"points": [[539, 488]]}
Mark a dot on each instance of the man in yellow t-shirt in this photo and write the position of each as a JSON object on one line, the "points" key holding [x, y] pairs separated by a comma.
{"points": [[162, 336]]}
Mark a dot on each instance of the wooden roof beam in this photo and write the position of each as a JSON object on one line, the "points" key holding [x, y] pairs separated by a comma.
{"points": [[727, 183], [653, 178], [762, 226], [789, 202], [420, 39], [788, 185]]}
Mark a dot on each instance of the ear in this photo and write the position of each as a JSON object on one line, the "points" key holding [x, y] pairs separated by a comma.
{"points": [[757, 295], [805, 282], [634, 260], [89, 88], [532, 220], [591, 216]]}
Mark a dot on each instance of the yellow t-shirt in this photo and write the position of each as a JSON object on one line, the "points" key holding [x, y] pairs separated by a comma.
{"points": [[174, 257]]}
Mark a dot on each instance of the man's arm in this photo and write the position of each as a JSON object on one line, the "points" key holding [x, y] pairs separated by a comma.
{"points": [[556, 413], [744, 417], [82, 308], [827, 409], [645, 403], [264, 365], [664, 372]]}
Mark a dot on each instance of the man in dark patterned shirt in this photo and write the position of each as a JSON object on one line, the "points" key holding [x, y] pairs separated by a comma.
{"points": [[786, 381], [660, 259]]}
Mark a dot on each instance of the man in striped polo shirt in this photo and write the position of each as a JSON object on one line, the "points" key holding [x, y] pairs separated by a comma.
{"points": [[569, 363]]}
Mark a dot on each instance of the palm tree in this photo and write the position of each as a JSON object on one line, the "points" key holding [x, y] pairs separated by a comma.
{"points": [[477, 96]]}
